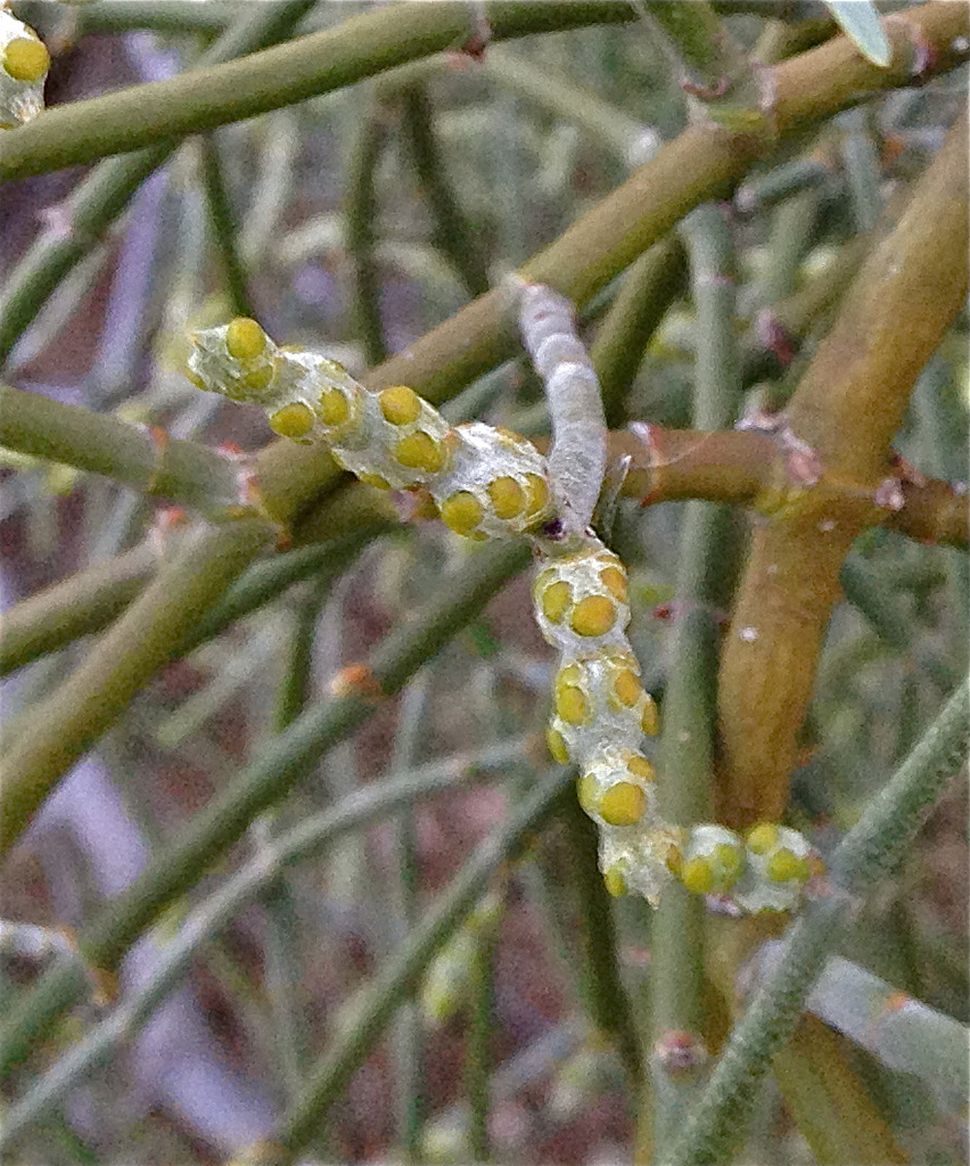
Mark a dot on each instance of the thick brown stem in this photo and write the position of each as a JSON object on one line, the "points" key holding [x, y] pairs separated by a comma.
{"points": [[840, 422]]}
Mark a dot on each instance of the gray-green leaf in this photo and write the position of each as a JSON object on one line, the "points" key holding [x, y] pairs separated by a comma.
{"points": [[862, 24]]}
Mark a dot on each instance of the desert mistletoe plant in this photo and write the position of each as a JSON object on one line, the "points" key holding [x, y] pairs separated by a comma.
{"points": [[267, 726], [490, 483]]}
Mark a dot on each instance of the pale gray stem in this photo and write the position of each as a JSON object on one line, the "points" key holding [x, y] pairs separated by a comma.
{"points": [[577, 460]]}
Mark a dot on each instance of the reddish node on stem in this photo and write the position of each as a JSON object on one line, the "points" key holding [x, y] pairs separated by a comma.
{"points": [[679, 1052], [356, 680], [775, 337]]}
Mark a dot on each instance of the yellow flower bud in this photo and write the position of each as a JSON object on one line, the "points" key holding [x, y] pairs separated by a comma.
{"points": [[26, 59], [400, 405], [593, 616], [462, 512], [623, 804], [245, 339], [292, 421]]}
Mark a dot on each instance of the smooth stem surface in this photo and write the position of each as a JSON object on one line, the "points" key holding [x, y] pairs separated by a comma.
{"points": [[369, 1012], [409, 1035], [361, 46], [283, 762], [360, 214], [700, 164], [687, 743], [225, 229], [281, 948], [845, 412], [452, 232], [543, 87], [869, 852], [829, 1101], [715, 69], [602, 987], [43, 743], [650, 286], [903, 1032], [254, 880], [86, 602], [478, 1044], [97, 201], [745, 467], [145, 460]]}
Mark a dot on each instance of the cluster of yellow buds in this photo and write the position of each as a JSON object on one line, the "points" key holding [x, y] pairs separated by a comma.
{"points": [[491, 483], [24, 61]]}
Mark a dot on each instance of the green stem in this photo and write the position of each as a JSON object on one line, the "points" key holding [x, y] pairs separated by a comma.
{"points": [[698, 165], [360, 214], [794, 229], [781, 183], [869, 852], [716, 71], [361, 46], [183, 471], [284, 761], [103, 195], [603, 122], [603, 990], [282, 974], [409, 1038], [687, 743], [225, 229], [374, 1005], [481, 1029], [846, 411], [652, 283], [45, 741], [86, 602], [253, 881], [903, 1032], [453, 234]]}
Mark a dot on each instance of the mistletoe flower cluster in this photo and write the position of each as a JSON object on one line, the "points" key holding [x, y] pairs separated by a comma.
{"points": [[491, 483], [24, 61]]}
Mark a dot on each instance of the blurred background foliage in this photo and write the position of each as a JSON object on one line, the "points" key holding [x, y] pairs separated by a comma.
{"points": [[353, 223]]}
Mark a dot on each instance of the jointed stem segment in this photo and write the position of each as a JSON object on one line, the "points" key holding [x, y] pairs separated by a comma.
{"points": [[492, 483]]}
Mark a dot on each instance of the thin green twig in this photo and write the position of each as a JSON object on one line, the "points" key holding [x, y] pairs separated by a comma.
{"points": [[704, 581], [255, 879], [284, 761], [870, 852], [136, 647], [368, 1013], [97, 201], [225, 229]]}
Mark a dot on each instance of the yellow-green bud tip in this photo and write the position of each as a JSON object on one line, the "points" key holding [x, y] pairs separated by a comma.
{"points": [[245, 339]]}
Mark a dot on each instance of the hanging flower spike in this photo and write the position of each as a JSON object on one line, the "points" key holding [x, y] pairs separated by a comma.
{"points": [[24, 62], [490, 483]]}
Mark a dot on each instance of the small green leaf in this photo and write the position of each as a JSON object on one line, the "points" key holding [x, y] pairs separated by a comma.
{"points": [[862, 24]]}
